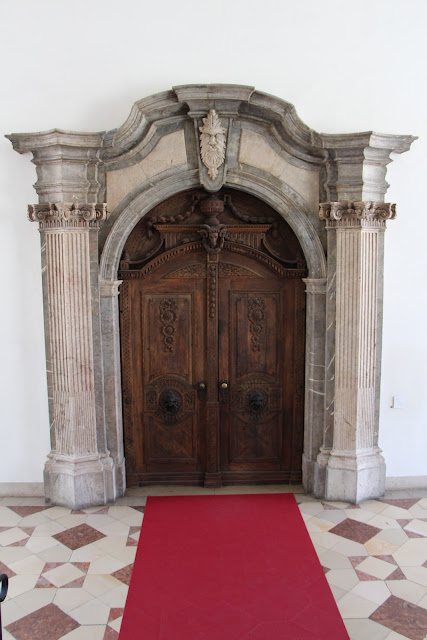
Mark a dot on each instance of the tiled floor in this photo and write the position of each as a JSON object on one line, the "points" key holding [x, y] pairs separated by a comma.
{"points": [[69, 571]]}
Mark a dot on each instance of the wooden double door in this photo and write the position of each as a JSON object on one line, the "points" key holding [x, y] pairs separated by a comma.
{"points": [[213, 368]]}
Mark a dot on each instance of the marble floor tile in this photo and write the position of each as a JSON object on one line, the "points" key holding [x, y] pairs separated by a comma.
{"points": [[403, 617], [355, 530], [49, 623], [377, 568], [78, 564], [79, 536]]}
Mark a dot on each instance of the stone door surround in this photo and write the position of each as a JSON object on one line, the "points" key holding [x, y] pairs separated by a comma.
{"points": [[94, 187]]}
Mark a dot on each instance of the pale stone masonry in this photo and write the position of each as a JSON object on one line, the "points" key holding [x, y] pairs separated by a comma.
{"points": [[269, 153]]}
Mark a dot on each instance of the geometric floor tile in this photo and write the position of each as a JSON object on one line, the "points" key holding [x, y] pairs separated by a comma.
{"points": [[79, 536], [403, 617], [49, 623], [24, 511], [403, 503], [355, 530], [124, 574], [64, 589]]}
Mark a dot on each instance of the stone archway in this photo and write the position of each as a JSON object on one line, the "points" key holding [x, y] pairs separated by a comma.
{"points": [[260, 146]]}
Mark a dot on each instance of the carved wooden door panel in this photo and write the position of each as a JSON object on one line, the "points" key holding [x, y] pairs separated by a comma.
{"points": [[212, 338], [163, 339], [261, 350]]}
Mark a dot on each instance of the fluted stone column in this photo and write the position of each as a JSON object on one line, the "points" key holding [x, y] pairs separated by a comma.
{"points": [[355, 469], [79, 471]]}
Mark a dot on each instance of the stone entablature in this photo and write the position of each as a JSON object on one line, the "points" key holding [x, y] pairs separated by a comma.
{"points": [[268, 152]]}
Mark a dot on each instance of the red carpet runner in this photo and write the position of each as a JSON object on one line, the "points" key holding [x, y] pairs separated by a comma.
{"points": [[228, 568]]}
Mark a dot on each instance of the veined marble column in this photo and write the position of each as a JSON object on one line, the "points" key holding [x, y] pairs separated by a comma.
{"points": [[355, 469], [79, 471], [315, 380]]}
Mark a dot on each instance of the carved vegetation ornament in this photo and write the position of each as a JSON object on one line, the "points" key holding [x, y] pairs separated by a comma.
{"points": [[356, 214], [212, 143]]}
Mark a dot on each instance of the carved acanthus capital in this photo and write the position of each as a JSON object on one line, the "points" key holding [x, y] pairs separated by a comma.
{"points": [[65, 215], [350, 214]]}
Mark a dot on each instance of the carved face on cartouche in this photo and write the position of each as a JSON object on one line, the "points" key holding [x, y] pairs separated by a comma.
{"points": [[212, 143]]}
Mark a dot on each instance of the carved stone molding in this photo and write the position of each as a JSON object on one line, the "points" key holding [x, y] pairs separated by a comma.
{"points": [[347, 173], [109, 288], [212, 143], [372, 215], [64, 215]]}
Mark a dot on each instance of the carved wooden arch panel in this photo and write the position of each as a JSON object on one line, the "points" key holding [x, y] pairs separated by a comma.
{"points": [[212, 328]]}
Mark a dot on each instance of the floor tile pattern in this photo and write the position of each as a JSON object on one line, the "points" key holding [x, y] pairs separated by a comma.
{"points": [[70, 570]]}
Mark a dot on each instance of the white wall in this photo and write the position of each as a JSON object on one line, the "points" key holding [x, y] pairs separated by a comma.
{"points": [[80, 65]]}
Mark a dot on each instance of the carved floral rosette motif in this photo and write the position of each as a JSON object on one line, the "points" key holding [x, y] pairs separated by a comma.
{"points": [[64, 215], [357, 214], [168, 315], [257, 318], [212, 143]]}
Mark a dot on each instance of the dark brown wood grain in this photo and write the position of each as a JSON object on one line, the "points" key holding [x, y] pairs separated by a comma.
{"points": [[189, 316]]}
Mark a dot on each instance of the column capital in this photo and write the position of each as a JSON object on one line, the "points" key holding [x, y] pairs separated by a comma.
{"points": [[315, 285], [66, 215], [356, 215], [109, 288]]}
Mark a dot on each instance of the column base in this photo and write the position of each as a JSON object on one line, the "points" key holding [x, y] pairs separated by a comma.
{"points": [[320, 473], [79, 482], [308, 474], [354, 477]]}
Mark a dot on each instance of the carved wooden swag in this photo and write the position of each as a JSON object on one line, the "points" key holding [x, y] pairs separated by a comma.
{"points": [[211, 220]]}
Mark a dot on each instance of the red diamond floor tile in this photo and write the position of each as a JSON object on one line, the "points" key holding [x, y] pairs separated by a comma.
{"points": [[42, 583], [355, 530], [388, 559], [364, 577], [403, 617], [24, 511], [110, 634], [79, 536], [403, 503], [397, 575], [124, 574], [5, 569], [48, 623], [140, 509], [115, 612], [355, 560]]}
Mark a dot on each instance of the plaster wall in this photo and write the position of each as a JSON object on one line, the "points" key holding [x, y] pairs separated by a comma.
{"points": [[344, 73]]}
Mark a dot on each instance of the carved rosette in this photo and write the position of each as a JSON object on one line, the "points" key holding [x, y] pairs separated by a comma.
{"points": [[212, 143], [371, 215], [257, 321], [65, 215], [168, 317]]}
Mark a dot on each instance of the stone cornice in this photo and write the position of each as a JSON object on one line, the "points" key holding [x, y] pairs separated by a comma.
{"points": [[352, 166], [372, 215], [63, 215]]}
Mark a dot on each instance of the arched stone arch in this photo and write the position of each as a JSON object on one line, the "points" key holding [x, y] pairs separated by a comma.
{"points": [[129, 214], [269, 153]]}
